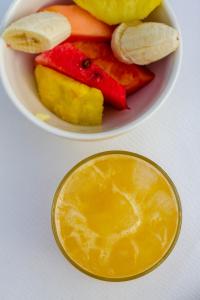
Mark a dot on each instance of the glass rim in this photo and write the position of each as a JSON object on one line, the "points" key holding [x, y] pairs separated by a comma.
{"points": [[56, 196]]}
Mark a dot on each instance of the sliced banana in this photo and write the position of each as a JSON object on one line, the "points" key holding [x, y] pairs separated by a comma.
{"points": [[37, 32], [116, 41], [144, 43]]}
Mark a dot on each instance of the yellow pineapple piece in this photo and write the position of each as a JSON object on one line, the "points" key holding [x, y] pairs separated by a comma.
{"points": [[119, 11], [70, 100]]}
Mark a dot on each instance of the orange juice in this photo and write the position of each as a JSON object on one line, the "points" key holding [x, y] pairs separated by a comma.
{"points": [[116, 215]]}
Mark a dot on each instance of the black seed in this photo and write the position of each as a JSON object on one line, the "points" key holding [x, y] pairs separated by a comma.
{"points": [[97, 75], [86, 63]]}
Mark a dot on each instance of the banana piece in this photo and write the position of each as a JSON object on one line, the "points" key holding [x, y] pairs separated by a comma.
{"points": [[144, 43], [38, 32], [116, 41]]}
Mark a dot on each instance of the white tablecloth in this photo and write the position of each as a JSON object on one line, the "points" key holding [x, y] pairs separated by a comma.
{"points": [[32, 162]]}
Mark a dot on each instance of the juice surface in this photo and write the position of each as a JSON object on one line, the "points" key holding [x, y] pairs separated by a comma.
{"points": [[116, 216]]}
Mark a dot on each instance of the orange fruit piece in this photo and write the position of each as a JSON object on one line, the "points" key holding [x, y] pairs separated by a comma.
{"points": [[132, 77], [84, 25]]}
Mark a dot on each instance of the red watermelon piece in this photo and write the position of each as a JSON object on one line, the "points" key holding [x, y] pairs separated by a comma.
{"points": [[69, 60], [132, 77]]}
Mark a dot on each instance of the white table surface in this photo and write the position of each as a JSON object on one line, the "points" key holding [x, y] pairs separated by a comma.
{"points": [[32, 162]]}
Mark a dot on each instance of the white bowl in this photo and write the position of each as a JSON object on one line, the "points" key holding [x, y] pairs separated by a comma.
{"points": [[17, 76]]}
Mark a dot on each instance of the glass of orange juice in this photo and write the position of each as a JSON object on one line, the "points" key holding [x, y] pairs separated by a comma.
{"points": [[116, 216]]}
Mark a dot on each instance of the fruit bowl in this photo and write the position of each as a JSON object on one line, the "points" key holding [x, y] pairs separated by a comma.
{"points": [[17, 76]]}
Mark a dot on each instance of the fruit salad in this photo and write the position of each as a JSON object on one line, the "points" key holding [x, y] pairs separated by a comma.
{"points": [[91, 54]]}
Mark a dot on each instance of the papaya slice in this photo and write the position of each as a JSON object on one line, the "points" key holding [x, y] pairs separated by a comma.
{"points": [[132, 77], [84, 25]]}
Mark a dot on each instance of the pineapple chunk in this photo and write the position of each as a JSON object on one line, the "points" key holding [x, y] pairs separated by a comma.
{"points": [[70, 100]]}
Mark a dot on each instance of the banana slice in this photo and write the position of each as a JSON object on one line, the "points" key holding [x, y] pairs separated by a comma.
{"points": [[144, 43], [116, 41], [37, 32]]}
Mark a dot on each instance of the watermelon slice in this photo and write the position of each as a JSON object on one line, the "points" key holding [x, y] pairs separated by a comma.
{"points": [[69, 60], [132, 77]]}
